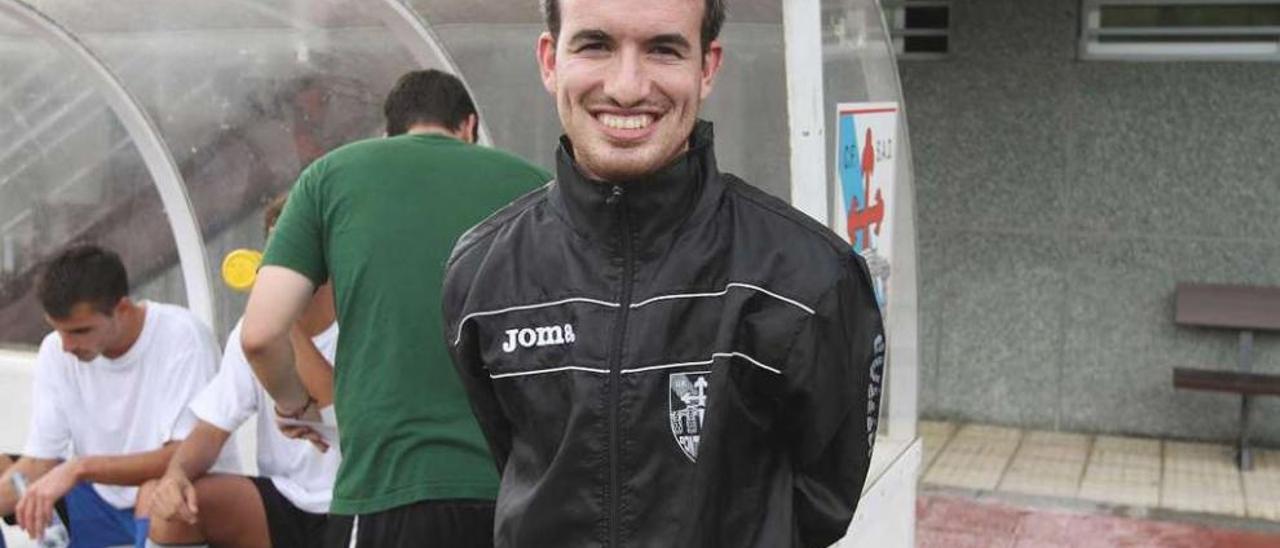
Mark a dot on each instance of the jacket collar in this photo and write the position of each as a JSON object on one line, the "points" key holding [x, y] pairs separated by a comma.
{"points": [[656, 205]]}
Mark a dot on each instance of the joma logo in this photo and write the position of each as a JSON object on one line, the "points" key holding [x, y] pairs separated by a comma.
{"points": [[538, 336]]}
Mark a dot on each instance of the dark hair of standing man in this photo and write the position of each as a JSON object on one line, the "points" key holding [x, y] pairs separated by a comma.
{"points": [[712, 19], [428, 97], [82, 274]]}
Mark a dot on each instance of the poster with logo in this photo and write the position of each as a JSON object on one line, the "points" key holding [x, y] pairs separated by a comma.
{"points": [[866, 141]]}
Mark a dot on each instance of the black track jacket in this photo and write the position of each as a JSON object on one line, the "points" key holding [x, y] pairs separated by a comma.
{"points": [[676, 361]]}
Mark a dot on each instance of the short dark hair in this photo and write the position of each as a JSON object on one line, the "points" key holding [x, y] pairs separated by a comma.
{"points": [[273, 210], [428, 97], [712, 19], [82, 274]]}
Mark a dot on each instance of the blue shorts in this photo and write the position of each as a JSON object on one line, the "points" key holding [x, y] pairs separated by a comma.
{"points": [[95, 523]]}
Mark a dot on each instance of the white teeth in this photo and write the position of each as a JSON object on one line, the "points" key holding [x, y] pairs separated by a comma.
{"points": [[626, 122]]}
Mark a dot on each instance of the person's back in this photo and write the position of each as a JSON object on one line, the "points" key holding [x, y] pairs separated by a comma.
{"points": [[388, 212]]}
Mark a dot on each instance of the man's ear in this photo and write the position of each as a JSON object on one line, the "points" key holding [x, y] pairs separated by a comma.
{"points": [[121, 305], [471, 129], [546, 52], [711, 60]]}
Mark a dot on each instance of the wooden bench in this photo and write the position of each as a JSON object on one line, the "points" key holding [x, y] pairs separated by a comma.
{"points": [[1245, 309]]}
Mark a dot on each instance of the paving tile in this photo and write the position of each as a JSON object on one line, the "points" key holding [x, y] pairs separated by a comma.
{"points": [[975, 458], [1123, 471], [1128, 451], [1055, 478], [1200, 458], [1262, 486], [935, 434], [1055, 445], [1201, 477], [1047, 463]]}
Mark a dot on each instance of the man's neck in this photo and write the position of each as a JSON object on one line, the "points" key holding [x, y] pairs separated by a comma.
{"points": [[431, 129], [132, 319]]}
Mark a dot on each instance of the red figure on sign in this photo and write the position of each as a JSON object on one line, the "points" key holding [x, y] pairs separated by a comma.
{"points": [[862, 218]]}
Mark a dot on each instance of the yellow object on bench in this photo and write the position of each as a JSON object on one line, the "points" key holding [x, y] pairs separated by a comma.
{"points": [[240, 268]]}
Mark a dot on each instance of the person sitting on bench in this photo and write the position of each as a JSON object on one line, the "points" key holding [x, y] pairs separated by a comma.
{"points": [[112, 382], [288, 503]]}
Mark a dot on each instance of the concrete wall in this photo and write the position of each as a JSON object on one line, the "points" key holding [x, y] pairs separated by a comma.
{"points": [[1060, 200]]}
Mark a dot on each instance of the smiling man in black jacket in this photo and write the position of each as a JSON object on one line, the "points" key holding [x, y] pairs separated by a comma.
{"points": [[658, 353]]}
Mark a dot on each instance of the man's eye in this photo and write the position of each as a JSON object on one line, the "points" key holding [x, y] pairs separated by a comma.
{"points": [[665, 51], [592, 46]]}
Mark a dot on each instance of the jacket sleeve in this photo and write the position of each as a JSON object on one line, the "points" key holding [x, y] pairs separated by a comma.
{"points": [[462, 341], [833, 376]]}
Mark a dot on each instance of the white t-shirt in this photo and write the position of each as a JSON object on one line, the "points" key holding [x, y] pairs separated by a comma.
{"points": [[302, 473], [132, 404]]}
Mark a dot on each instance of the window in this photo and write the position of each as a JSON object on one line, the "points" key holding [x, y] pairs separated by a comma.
{"points": [[921, 29], [1180, 30]]}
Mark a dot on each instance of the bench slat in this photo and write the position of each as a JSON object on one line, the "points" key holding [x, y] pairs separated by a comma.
{"points": [[1228, 306], [1226, 381]]}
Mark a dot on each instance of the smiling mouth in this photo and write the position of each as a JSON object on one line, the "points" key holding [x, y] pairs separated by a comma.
{"points": [[635, 121]]}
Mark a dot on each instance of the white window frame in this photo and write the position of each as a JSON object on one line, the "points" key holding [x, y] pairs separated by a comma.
{"points": [[1091, 48], [895, 13]]}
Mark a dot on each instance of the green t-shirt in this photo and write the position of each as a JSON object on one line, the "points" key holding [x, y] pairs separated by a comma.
{"points": [[380, 217]]}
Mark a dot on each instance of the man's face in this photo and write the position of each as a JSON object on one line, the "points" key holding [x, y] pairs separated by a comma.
{"points": [[86, 332], [628, 78]]}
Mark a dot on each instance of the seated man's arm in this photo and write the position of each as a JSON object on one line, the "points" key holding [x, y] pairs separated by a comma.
{"points": [[315, 372], [175, 495], [221, 407], [49, 437], [131, 469], [35, 509], [32, 468], [833, 380]]}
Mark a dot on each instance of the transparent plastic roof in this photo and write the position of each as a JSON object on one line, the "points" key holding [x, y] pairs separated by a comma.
{"points": [[243, 94], [145, 16], [68, 168]]}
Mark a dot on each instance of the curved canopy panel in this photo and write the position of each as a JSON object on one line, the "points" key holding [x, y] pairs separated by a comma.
{"points": [[70, 171], [247, 93], [858, 67]]}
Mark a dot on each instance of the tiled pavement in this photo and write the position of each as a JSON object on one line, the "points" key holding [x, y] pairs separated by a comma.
{"points": [[1138, 473]]}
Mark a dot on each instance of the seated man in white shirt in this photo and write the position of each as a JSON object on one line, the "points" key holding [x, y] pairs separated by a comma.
{"points": [[112, 383], [288, 503]]}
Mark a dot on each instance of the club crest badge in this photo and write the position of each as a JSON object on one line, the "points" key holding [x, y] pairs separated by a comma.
{"points": [[688, 404]]}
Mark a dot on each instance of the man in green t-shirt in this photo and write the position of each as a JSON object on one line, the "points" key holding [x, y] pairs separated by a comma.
{"points": [[378, 218]]}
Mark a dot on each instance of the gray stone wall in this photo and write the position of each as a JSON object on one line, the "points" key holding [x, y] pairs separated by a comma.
{"points": [[1060, 201]]}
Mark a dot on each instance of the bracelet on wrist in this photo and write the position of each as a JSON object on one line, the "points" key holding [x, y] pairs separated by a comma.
{"points": [[297, 413]]}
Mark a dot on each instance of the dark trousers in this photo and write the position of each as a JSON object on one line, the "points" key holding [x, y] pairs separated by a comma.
{"points": [[427, 524]]}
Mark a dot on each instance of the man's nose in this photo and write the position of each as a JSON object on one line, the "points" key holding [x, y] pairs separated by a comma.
{"points": [[628, 82]]}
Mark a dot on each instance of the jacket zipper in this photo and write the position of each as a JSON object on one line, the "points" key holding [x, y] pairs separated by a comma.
{"points": [[618, 200]]}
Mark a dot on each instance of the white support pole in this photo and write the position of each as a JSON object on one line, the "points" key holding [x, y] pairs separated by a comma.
{"points": [[802, 29], [155, 153]]}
